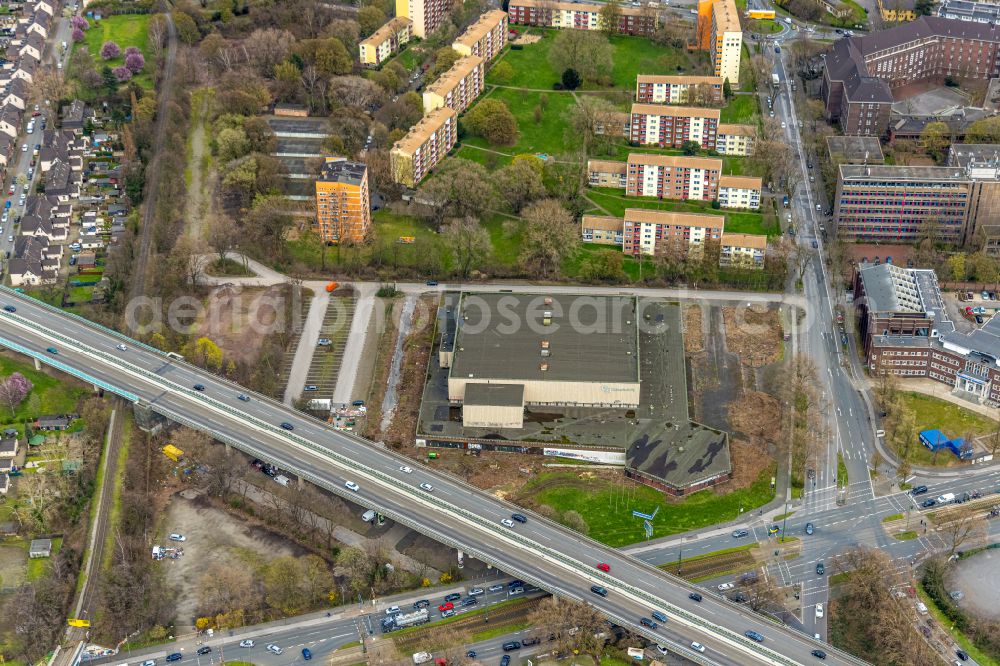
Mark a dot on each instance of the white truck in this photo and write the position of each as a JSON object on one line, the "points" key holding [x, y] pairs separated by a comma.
{"points": [[404, 620], [775, 80], [422, 657]]}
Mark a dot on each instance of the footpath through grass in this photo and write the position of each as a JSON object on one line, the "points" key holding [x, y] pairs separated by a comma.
{"points": [[607, 508]]}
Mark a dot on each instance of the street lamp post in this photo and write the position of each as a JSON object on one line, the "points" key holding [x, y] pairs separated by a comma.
{"points": [[784, 523]]}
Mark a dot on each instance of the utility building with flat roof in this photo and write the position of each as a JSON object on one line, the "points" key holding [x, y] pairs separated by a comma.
{"points": [[560, 350]]}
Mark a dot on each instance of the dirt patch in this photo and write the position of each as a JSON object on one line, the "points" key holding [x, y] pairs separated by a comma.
{"points": [[238, 319], [13, 565], [383, 352], [756, 416], [416, 351], [694, 340], [753, 334], [525, 38], [213, 536], [748, 462]]}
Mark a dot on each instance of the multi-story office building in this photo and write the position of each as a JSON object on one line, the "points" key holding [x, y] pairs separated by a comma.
{"points": [[740, 192], [901, 204], [343, 205], [655, 89], [862, 72], [606, 173], [381, 44], [427, 15], [580, 15], [671, 126], [426, 144], [458, 87], [673, 176], [735, 140], [659, 232], [727, 41], [484, 38], [602, 229], [743, 250], [953, 204]]}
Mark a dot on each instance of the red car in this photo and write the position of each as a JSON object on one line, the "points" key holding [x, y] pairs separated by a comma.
{"points": [[446, 607], [604, 567]]}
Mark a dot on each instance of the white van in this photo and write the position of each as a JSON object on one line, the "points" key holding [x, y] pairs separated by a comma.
{"points": [[947, 498], [281, 480], [368, 516]]}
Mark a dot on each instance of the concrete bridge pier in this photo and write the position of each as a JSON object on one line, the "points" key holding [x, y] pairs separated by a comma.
{"points": [[38, 364], [147, 420]]}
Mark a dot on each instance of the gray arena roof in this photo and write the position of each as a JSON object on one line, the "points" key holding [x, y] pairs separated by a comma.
{"points": [[588, 338]]}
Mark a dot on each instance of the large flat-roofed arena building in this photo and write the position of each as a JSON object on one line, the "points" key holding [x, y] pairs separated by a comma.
{"points": [[596, 378], [572, 351]]}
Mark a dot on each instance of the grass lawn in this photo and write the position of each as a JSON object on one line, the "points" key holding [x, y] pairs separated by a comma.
{"points": [[611, 521], [841, 471], [954, 421], [80, 294], [908, 535], [895, 516], [491, 161], [616, 202], [114, 516], [389, 227], [547, 136], [125, 30], [764, 26], [409, 58], [637, 55], [742, 109], [631, 56], [493, 632], [56, 395]]}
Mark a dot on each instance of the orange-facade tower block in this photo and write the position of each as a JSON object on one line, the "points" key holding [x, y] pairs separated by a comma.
{"points": [[705, 24]]}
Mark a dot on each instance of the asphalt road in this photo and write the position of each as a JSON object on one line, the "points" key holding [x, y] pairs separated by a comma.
{"points": [[542, 552]]}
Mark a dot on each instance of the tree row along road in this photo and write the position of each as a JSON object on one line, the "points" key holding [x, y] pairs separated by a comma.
{"points": [[458, 515]]}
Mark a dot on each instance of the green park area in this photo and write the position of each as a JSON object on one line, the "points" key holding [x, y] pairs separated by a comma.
{"points": [[430, 253], [630, 56], [545, 131], [741, 109], [951, 419], [606, 507], [125, 30]]}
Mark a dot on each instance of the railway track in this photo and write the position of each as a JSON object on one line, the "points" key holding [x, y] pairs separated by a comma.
{"points": [[84, 606], [413, 641]]}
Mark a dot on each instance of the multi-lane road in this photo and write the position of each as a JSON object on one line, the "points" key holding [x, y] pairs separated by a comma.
{"points": [[542, 552]]}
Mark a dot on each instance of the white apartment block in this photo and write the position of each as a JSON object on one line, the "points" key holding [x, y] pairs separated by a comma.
{"points": [[735, 140], [740, 192], [656, 89]]}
